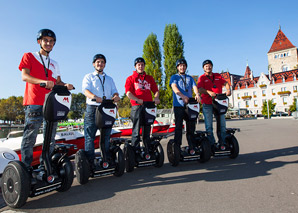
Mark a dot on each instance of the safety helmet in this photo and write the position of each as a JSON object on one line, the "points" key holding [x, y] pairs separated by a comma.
{"points": [[46, 32], [207, 62], [181, 61], [97, 56], [139, 59]]}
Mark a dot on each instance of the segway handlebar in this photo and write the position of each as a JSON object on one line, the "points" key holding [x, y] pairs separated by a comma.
{"points": [[55, 86]]}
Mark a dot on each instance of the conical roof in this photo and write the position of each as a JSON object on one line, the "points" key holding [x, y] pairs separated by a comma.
{"points": [[281, 42]]}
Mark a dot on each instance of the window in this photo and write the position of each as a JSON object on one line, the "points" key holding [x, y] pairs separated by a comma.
{"points": [[255, 102], [283, 89], [273, 91], [263, 101], [263, 92], [255, 93], [274, 100], [238, 96], [275, 56], [295, 88], [247, 103], [239, 105], [284, 100], [246, 94], [284, 68], [273, 81]]}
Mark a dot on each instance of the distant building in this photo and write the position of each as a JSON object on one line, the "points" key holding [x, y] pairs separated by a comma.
{"points": [[280, 84]]}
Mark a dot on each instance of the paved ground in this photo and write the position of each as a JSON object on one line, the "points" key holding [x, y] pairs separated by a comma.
{"points": [[264, 178]]}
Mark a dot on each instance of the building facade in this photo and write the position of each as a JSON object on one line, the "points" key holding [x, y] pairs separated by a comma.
{"points": [[279, 85]]}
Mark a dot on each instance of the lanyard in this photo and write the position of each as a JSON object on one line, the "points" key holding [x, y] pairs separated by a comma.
{"points": [[184, 82], [214, 86], [44, 66], [102, 84]]}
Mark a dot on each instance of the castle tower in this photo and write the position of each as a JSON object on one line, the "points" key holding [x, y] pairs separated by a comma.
{"points": [[282, 55]]}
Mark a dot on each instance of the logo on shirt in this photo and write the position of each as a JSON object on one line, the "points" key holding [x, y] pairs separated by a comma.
{"points": [[142, 85], [65, 99], [51, 64]]}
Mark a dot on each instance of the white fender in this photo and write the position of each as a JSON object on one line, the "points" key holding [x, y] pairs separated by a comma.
{"points": [[6, 155]]}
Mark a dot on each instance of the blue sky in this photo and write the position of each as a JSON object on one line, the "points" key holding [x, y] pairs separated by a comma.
{"points": [[230, 33]]}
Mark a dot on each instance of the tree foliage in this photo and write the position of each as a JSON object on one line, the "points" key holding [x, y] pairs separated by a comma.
{"points": [[78, 106], [152, 56], [124, 107], [12, 110], [265, 109], [293, 106], [173, 47]]}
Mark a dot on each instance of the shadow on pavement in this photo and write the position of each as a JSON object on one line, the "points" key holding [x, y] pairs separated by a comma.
{"points": [[246, 166]]}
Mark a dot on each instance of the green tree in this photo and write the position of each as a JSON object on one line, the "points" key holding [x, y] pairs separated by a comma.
{"points": [[11, 109], [173, 49], [78, 106], [265, 109], [124, 107], [293, 106], [152, 56]]}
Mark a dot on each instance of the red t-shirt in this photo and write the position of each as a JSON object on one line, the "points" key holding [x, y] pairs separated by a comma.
{"points": [[140, 86], [34, 94], [207, 84]]}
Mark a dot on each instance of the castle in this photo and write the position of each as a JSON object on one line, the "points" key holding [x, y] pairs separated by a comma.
{"points": [[279, 85]]}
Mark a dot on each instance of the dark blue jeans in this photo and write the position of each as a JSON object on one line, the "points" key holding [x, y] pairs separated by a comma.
{"points": [[135, 116], [33, 121], [181, 115], [90, 130]]}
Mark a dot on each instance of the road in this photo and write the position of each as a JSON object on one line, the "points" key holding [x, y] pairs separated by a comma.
{"points": [[264, 178]]}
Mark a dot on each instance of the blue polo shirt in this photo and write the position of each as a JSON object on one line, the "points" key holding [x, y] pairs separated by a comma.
{"points": [[183, 82]]}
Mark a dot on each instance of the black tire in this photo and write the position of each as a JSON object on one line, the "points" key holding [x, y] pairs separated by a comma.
{"points": [[129, 156], [82, 167], [67, 175], [15, 184], [120, 163], [233, 146], [173, 152], [160, 156], [206, 150]]}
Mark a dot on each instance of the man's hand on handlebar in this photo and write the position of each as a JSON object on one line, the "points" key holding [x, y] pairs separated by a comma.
{"points": [[116, 98], [156, 100], [211, 93], [228, 92], [69, 86], [49, 84]]}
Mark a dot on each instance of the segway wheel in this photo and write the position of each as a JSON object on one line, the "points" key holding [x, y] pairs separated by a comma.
{"points": [[206, 150], [120, 163], [173, 152], [160, 156], [66, 173], [233, 145], [129, 156], [15, 184], [82, 167]]}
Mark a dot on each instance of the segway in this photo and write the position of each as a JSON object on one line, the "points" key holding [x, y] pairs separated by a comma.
{"points": [[230, 146], [201, 150], [104, 118], [18, 183], [148, 152]]}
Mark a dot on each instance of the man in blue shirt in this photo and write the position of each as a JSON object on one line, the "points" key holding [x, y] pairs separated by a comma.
{"points": [[182, 85], [97, 86]]}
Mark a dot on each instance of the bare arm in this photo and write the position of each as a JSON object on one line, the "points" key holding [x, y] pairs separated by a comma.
{"points": [[208, 92], [156, 98], [228, 90], [197, 97], [90, 95], [132, 97], [32, 80], [177, 91]]}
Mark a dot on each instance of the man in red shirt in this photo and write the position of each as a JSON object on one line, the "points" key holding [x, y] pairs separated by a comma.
{"points": [[38, 68], [210, 84], [138, 88]]}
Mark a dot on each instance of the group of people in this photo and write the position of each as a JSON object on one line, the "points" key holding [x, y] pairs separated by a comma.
{"points": [[39, 68]]}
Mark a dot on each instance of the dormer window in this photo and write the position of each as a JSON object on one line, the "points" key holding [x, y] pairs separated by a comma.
{"points": [[283, 79], [294, 77]]}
